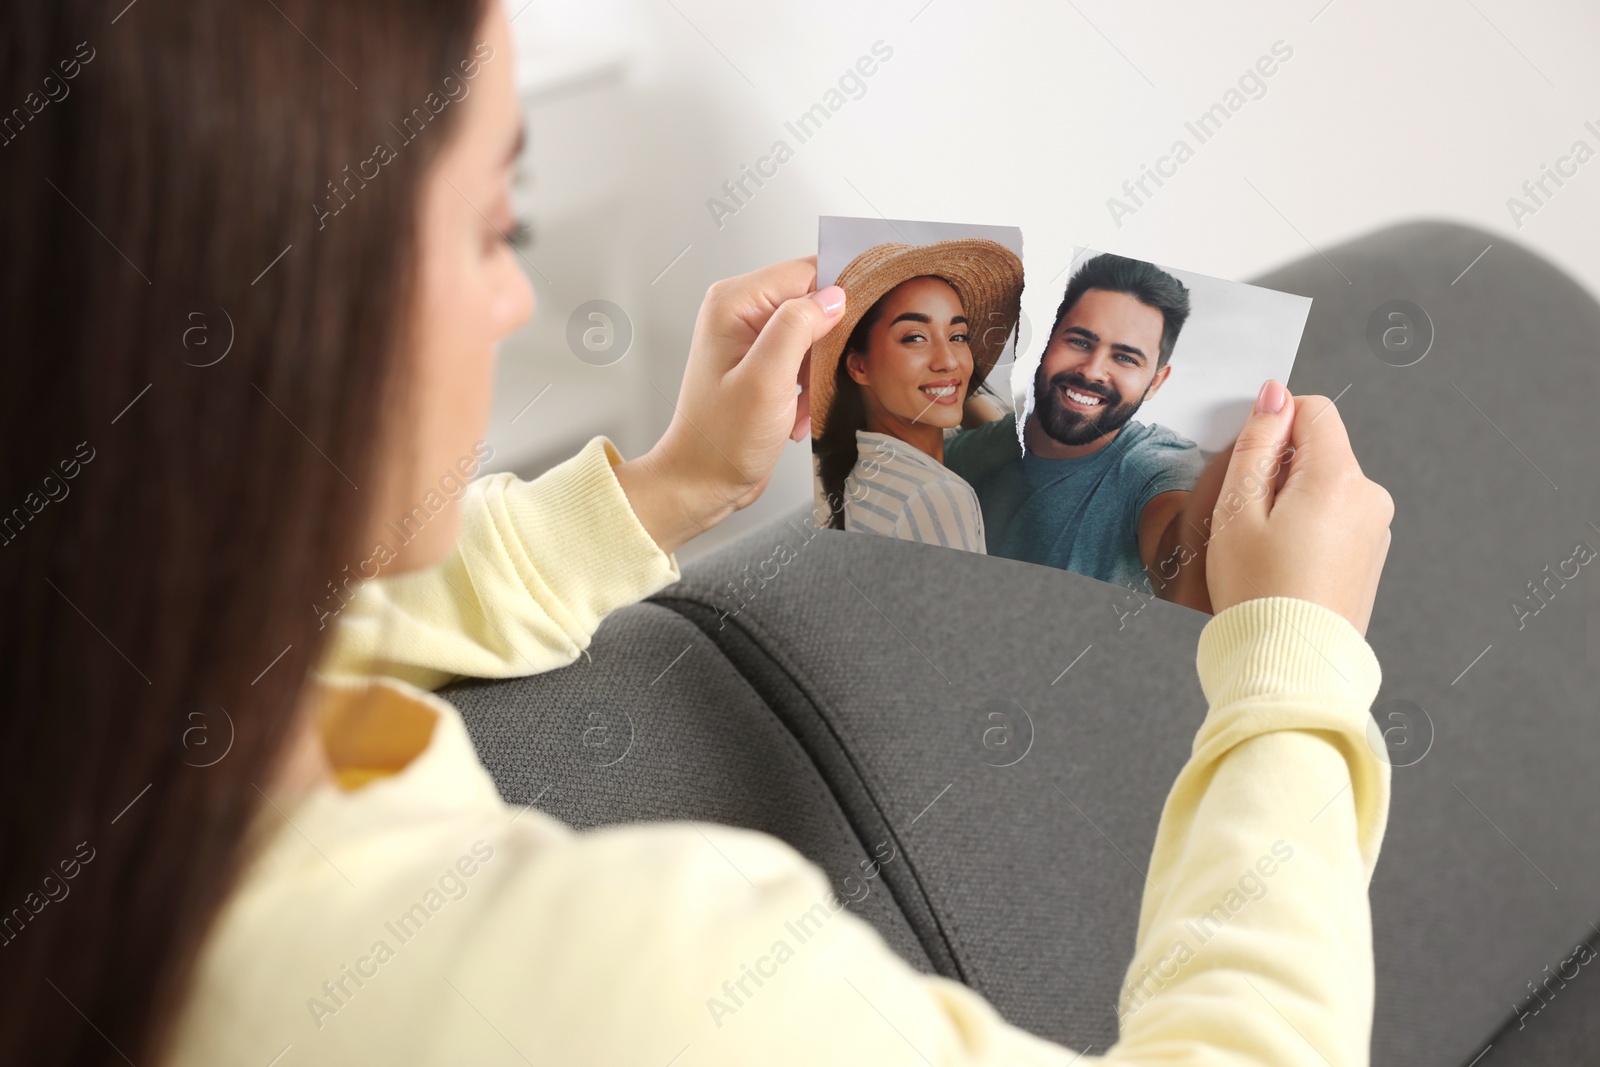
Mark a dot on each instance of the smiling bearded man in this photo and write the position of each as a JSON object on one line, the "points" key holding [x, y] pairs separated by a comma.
{"points": [[1096, 492]]}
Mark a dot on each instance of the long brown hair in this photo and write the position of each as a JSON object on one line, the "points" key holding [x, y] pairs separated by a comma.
{"points": [[200, 369], [835, 446]]}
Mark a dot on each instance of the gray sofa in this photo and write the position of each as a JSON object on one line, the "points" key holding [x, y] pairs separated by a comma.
{"points": [[843, 691]]}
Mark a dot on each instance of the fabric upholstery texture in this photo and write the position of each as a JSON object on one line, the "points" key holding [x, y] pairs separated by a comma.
{"points": [[840, 690]]}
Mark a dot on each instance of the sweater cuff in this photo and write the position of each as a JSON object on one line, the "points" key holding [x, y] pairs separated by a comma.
{"points": [[1285, 647], [581, 535], [1281, 663]]}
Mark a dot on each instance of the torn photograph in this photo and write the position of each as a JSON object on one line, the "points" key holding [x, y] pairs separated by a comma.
{"points": [[1088, 460], [931, 308]]}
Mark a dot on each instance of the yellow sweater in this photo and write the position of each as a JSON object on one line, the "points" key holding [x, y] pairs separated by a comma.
{"points": [[418, 919]]}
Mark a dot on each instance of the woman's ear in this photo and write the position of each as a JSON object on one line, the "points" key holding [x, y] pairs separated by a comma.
{"points": [[855, 364]]}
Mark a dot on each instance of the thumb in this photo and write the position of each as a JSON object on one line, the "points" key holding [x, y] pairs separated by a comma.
{"points": [[789, 334], [1250, 483]]}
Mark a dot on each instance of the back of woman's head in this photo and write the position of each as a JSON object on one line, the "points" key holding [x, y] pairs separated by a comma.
{"points": [[204, 284]]}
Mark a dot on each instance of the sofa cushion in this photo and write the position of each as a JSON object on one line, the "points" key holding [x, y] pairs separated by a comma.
{"points": [[654, 723]]}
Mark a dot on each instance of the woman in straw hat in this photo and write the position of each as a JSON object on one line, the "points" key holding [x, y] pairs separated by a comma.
{"points": [[922, 329]]}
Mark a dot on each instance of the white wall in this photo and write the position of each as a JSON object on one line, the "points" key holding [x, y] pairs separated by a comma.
{"points": [[1023, 113]]}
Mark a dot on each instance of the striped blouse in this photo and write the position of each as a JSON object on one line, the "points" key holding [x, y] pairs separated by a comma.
{"points": [[899, 490]]}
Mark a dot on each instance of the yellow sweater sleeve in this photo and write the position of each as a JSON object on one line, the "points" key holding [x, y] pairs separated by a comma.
{"points": [[1255, 934], [535, 568]]}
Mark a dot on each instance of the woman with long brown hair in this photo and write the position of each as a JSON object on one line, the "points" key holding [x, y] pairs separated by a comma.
{"points": [[254, 269], [924, 327]]}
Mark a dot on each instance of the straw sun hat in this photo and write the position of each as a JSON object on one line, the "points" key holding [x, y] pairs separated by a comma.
{"points": [[985, 274]]}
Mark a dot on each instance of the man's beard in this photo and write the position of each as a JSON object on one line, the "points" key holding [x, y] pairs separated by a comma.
{"points": [[1071, 427]]}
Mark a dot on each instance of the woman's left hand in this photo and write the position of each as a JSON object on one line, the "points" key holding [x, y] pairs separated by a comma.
{"points": [[738, 405]]}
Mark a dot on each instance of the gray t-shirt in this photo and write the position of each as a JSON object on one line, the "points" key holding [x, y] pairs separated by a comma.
{"points": [[1081, 514]]}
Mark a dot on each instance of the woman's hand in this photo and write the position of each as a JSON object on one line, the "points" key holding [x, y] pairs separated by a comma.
{"points": [[738, 405], [1308, 525]]}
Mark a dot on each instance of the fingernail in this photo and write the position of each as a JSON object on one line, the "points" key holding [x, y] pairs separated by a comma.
{"points": [[1270, 400], [830, 300]]}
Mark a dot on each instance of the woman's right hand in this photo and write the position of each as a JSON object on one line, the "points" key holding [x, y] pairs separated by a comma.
{"points": [[1306, 523], [739, 404]]}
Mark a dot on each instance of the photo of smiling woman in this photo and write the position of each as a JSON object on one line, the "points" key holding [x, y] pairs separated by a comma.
{"points": [[922, 328]]}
